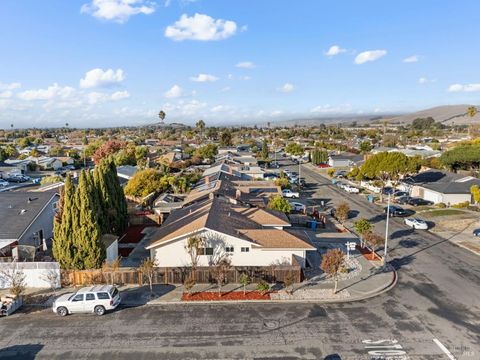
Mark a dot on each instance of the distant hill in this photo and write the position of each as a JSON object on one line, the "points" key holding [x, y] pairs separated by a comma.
{"points": [[448, 115], [345, 120]]}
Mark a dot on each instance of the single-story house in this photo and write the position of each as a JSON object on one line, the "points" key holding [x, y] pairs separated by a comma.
{"points": [[441, 187], [46, 162], [249, 236], [125, 173], [26, 219], [339, 161]]}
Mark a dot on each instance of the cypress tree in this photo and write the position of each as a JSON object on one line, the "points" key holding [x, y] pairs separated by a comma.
{"points": [[119, 203], [90, 250], [63, 243]]}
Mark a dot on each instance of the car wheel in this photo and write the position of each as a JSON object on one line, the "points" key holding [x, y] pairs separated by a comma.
{"points": [[62, 311], [414, 228], [99, 310]]}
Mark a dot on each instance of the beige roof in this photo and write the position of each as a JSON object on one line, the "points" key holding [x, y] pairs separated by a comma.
{"points": [[263, 217], [278, 239]]}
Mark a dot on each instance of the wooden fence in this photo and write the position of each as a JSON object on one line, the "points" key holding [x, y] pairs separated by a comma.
{"points": [[203, 275]]}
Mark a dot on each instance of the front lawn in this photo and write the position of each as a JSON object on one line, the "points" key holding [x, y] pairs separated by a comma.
{"points": [[443, 212]]}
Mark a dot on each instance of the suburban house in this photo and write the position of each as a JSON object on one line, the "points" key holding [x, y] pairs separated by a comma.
{"points": [[441, 187], [339, 161], [125, 173], [46, 162], [7, 170], [250, 236], [26, 219], [21, 165]]}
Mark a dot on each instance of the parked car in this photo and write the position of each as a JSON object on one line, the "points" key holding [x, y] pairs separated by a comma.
{"points": [[476, 232], [16, 179], [293, 180], [296, 206], [323, 166], [387, 190], [418, 202], [290, 194], [340, 173], [274, 165], [302, 182], [93, 299], [271, 176], [3, 183], [395, 210], [416, 223], [351, 189], [340, 184], [399, 193], [402, 200]]}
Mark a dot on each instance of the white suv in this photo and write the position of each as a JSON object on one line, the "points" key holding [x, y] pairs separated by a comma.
{"points": [[96, 299]]}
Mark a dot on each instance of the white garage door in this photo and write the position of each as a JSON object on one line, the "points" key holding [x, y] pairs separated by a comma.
{"points": [[432, 196]]}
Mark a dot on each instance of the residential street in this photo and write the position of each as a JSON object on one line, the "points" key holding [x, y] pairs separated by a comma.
{"points": [[436, 298]]}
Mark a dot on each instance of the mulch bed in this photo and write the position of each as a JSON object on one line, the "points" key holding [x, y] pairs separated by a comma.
{"points": [[133, 234], [233, 295], [368, 254]]}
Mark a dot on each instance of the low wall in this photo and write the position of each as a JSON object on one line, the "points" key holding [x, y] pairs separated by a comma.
{"points": [[37, 274]]}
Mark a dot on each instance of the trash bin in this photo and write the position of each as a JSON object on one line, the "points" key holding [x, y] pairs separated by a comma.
{"points": [[370, 198], [313, 225]]}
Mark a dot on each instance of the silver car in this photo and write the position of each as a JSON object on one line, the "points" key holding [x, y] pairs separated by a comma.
{"points": [[93, 299]]}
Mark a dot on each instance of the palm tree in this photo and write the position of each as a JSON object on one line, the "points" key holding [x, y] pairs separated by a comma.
{"points": [[162, 115], [472, 111], [200, 126]]}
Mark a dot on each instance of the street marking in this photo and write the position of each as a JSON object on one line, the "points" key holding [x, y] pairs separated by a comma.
{"points": [[384, 349], [444, 349]]}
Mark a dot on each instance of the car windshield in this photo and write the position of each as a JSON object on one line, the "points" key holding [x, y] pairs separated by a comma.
{"points": [[71, 296]]}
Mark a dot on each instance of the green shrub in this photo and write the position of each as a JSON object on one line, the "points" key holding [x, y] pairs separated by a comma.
{"points": [[441, 205], [462, 205], [330, 172], [263, 286]]}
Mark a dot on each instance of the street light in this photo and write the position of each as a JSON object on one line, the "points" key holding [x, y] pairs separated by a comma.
{"points": [[386, 235]]}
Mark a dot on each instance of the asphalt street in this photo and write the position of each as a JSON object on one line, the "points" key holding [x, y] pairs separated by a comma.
{"points": [[433, 313]]}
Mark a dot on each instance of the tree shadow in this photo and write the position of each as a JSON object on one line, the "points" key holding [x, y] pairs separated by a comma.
{"points": [[352, 214], [401, 233], [139, 296], [377, 218], [398, 263], [26, 351], [408, 243]]}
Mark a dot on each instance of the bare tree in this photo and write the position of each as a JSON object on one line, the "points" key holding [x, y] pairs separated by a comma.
{"points": [[374, 240], [342, 212], [111, 267], [189, 283], [332, 261], [193, 247], [147, 268], [220, 271], [52, 277], [244, 280], [288, 282], [14, 278]]}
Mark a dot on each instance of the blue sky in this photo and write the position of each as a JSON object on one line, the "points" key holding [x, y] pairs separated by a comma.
{"points": [[118, 62]]}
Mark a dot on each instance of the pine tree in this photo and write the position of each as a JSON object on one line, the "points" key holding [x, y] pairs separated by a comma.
{"points": [[90, 251], [63, 243]]}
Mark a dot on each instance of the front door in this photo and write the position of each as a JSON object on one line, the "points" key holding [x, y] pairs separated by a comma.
{"points": [[77, 303]]}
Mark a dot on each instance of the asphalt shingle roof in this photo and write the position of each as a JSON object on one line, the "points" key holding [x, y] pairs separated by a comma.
{"points": [[444, 182], [14, 221]]}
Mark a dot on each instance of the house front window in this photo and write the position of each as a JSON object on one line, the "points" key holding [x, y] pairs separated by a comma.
{"points": [[205, 251], [229, 249], [245, 249]]}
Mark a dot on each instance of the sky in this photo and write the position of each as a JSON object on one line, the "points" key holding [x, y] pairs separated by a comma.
{"points": [[99, 63]]}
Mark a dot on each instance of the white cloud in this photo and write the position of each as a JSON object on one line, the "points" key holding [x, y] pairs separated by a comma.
{"points": [[53, 91], [174, 92], [118, 10], [425, 80], [5, 94], [185, 108], [100, 78], [370, 55], [246, 65], [230, 76], [204, 78], [286, 88], [411, 59], [464, 88], [244, 28], [226, 88], [328, 109], [335, 50], [120, 95], [246, 77], [220, 108], [200, 27], [10, 86]]}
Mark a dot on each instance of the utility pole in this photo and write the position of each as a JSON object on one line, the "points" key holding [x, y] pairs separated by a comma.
{"points": [[386, 235]]}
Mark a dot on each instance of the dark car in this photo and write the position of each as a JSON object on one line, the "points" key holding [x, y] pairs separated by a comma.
{"points": [[274, 165], [395, 211], [16, 179], [476, 232], [418, 202], [388, 190], [271, 176], [399, 193], [403, 200]]}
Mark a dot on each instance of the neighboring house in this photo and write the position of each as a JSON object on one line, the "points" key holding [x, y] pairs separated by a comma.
{"points": [[110, 242], [250, 236], [46, 162], [338, 161], [125, 173], [26, 219], [66, 160], [21, 165], [7, 170], [441, 187]]}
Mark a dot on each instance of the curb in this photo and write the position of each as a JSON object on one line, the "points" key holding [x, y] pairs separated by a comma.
{"points": [[381, 291]]}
